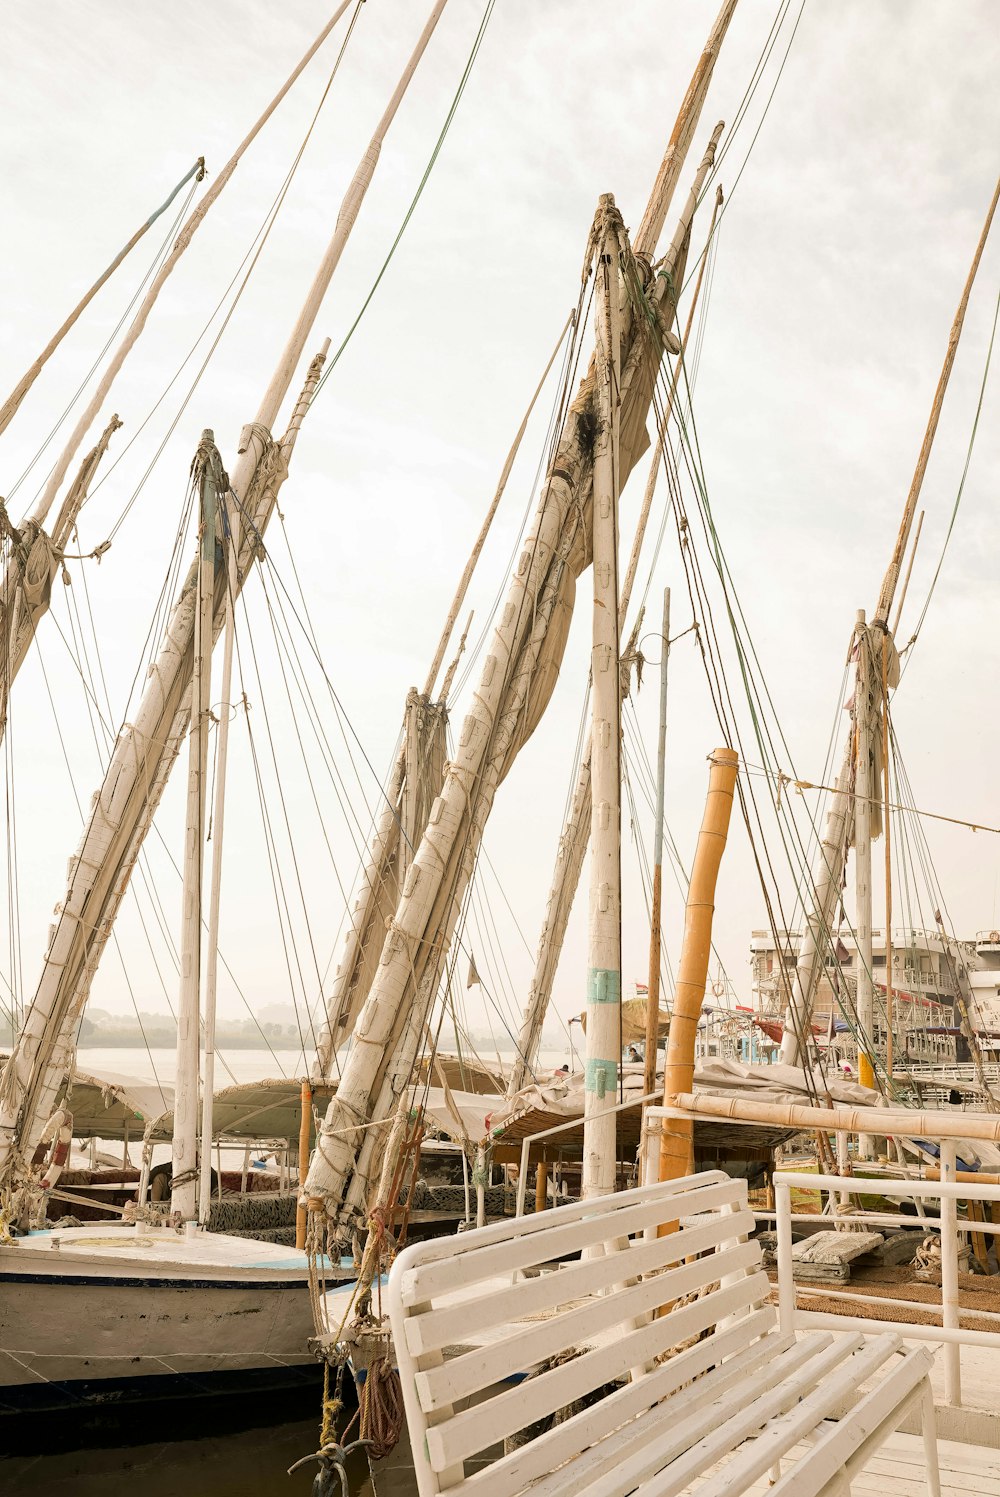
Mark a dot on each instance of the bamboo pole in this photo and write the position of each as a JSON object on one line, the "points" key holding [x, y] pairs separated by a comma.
{"points": [[863, 707], [10, 406], [184, 1182], [305, 1131], [689, 994], [231, 544], [883, 1120], [541, 1189], [886, 833], [604, 985], [909, 569], [655, 942], [830, 859], [156, 285]]}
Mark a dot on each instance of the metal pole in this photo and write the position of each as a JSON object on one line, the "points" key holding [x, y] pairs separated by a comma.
{"points": [[655, 944]]}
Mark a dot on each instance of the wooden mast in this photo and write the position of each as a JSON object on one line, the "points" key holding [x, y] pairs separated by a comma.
{"points": [[830, 860], [655, 942], [210, 479], [604, 947], [864, 708], [689, 994]]}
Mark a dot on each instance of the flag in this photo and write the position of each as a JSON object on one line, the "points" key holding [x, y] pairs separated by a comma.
{"points": [[473, 978], [642, 989]]}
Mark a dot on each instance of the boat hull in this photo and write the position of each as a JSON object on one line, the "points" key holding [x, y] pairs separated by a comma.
{"points": [[86, 1322]]}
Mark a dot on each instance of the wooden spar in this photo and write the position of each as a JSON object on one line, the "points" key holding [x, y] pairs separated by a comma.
{"points": [[833, 849], [230, 543], [181, 243], [184, 1182], [10, 406], [604, 980], [513, 690], [145, 751], [909, 569], [121, 814], [689, 994], [26, 588], [350, 208], [576, 830], [864, 706], [645, 240], [470, 565], [655, 943], [923, 457], [897, 1122], [661, 436]]}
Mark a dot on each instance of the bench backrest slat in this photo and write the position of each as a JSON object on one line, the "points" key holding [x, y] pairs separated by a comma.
{"points": [[445, 1326], [467, 1336], [462, 1376], [564, 1230]]}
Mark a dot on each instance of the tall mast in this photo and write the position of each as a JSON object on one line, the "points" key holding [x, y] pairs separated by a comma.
{"points": [[832, 852], [864, 785], [141, 762], [604, 979], [517, 679], [655, 942], [210, 479], [576, 830]]}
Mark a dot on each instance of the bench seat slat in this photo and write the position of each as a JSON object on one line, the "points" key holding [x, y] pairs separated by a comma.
{"points": [[515, 1408], [566, 1232], [724, 1355], [841, 1442], [461, 1376], [449, 1324], [786, 1431], [687, 1416], [648, 1477]]}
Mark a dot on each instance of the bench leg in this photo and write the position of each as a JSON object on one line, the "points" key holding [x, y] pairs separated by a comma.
{"points": [[928, 1421], [774, 1475]]}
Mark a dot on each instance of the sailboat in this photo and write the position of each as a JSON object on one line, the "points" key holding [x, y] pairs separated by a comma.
{"points": [[116, 1312]]}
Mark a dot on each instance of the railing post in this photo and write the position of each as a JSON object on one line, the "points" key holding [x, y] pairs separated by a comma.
{"points": [[949, 1276], [786, 1283]]}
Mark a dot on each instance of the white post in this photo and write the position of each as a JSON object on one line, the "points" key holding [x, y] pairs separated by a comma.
{"points": [[863, 782], [231, 545], [604, 958], [184, 1195], [952, 1351], [786, 1283]]}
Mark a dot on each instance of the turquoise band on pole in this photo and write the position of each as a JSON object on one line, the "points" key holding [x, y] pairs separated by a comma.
{"points": [[601, 1078], [604, 985]]}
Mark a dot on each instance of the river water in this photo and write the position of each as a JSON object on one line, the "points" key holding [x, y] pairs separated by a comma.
{"points": [[194, 1452]]}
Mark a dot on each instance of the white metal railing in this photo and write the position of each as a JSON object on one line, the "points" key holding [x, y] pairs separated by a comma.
{"points": [[951, 1335], [531, 1138]]}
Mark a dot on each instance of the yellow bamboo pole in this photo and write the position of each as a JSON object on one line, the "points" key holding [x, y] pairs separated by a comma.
{"points": [[678, 1076]]}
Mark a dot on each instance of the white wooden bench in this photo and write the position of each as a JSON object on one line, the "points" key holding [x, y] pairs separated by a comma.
{"points": [[482, 1331]]}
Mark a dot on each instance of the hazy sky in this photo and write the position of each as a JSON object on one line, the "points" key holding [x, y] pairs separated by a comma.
{"points": [[840, 262]]}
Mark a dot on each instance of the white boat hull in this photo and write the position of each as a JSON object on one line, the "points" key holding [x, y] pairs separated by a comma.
{"points": [[108, 1308]]}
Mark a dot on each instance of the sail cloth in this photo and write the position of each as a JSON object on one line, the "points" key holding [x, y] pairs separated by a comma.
{"points": [[122, 813], [518, 676], [416, 781], [34, 559]]}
